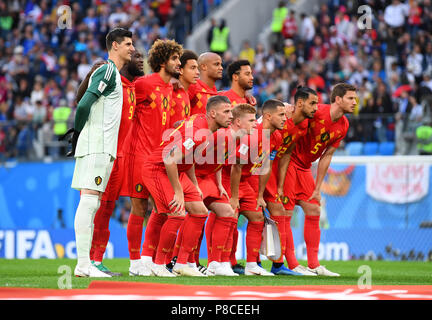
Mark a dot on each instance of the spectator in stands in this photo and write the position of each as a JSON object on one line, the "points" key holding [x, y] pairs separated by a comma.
{"points": [[247, 52], [220, 40], [278, 18], [395, 14], [289, 27], [178, 21]]}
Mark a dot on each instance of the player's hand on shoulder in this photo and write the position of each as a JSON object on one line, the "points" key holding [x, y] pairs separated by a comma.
{"points": [[289, 109], [250, 99]]}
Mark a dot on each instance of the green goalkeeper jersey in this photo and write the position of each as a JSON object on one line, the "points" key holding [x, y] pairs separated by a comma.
{"points": [[100, 132]]}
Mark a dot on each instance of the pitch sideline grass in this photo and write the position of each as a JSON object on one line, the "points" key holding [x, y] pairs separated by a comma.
{"points": [[45, 273]]}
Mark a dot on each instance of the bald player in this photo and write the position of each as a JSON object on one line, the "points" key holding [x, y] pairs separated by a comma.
{"points": [[210, 68]]}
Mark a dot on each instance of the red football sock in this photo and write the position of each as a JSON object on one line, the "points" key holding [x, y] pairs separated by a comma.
{"points": [[312, 235], [179, 238], [168, 235], [134, 235], [208, 233], [192, 229], [221, 230], [253, 240], [233, 258], [101, 231], [280, 220], [290, 250], [198, 248], [226, 254], [152, 234]]}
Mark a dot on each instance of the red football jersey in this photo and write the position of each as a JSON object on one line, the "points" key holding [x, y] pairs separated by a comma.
{"points": [[233, 97], [180, 107], [216, 155], [289, 135], [199, 93], [128, 108], [186, 138], [254, 149], [322, 132], [152, 115]]}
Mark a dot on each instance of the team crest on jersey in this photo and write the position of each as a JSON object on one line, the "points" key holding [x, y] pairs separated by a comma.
{"points": [[284, 199], [98, 180], [325, 136], [165, 102], [287, 139], [139, 187]]}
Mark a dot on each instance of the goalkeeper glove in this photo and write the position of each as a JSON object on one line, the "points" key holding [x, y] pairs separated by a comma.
{"points": [[73, 139]]}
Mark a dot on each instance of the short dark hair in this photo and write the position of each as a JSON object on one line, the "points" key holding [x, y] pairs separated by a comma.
{"points": [[214, 101], [187, 55], [117, 35], [303, 93], [340, 89], [236, 66], [270, 105]]}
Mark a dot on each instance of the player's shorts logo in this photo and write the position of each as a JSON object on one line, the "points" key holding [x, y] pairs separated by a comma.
{"points": [[98, 180], [165, 103], [139, 187], [325, 136]]}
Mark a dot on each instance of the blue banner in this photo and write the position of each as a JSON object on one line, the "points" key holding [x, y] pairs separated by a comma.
{"points": [[336, 244]]}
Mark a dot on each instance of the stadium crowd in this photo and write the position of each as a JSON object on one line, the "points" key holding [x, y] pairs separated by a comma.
{"points": [[43, 60]]}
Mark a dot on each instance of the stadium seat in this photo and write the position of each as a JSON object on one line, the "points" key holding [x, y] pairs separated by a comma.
{"points": [[354, 148], [386, 148], [370, 148]]}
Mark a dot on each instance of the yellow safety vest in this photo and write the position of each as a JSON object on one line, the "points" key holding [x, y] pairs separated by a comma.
{"points": [[220, 40], [60, 117], [279, 15]]}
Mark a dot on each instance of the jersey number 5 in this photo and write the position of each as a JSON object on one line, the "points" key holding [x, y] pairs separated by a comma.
{"points": [[316, 148]]}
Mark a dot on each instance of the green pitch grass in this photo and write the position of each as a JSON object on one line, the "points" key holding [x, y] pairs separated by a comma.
{"points": [[46, 273]]}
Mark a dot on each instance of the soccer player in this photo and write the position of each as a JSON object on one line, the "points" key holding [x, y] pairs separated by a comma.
{"points": [[210, 67], [240, 73], [255, 154], [151, 118], [306, 103], [209, 176], [326, 130], [180, 110], [168, 174], [97, 123], [241, 76], [101, 233], [189, 75]]}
